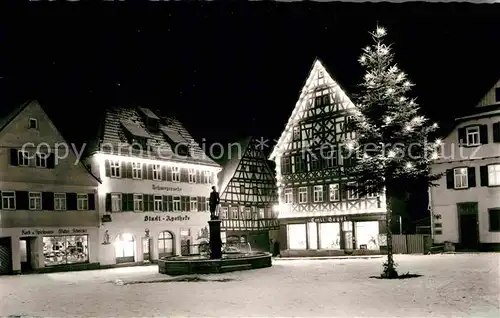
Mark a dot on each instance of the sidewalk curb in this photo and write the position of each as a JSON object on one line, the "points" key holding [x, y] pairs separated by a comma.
{"points": [[326, 257]]}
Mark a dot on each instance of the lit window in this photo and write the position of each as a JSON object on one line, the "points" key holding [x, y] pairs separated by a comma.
{"points": [[35, 200], [116, 201], [158, 203], [177, 204], [224, 212], [8, 200], [136, 170], [472, 134], [82, 201], [303, 195], [207, 204], [193, 204], [494, 175], [23, 158], [334, 192], [115, 169], [460, 178], [234, 212], [176, 174], [60, 201], [286, 166], [138, 202], [206, 176], [157, 172], [318, 193], [191, 176], [262, 213], [288, 196], [41, 160], [352, 194]]}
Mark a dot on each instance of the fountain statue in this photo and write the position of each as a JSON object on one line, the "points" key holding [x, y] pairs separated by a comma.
{"points": [[214, 225]]}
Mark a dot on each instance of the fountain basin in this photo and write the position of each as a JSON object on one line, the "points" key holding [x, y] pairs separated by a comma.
{"points": [[198, 264]]}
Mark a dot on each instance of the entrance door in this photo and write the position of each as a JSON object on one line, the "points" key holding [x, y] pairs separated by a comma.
{"points": [[5, 256], [125, 248], [26, 253], [468, 225], [347, 232]]}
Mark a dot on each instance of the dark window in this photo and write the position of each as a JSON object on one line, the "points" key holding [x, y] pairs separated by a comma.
{"points": [[33, 123], [494, 215], [497, 94]]}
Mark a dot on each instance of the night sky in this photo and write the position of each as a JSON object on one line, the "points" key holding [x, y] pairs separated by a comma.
{"points": [[229, 70]]}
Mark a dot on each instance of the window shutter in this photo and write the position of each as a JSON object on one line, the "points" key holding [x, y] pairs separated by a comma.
{"points": [[325, 193], [496, 132], [147, 201], [483, 172], [184, 175], [51, 161], [211, 178], [169, 174], [130, 201], [183, 203], [461, 136], [123, 169], [483, 134], [188, 204], [71, 201], [198, 176], [200, 203], [124, 202], [164, 173], [22, 200], [170, 203], [91, 197], [144, 171], [150, 172], [128, 170], [450, 181], [108, 202], [48, 201], [165, 203], [107, 168], [343, 192], [295, 192], [471, 175], [13, 157]]}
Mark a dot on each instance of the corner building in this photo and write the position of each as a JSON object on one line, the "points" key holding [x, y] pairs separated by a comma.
{"points": [[317, 215], [156, 182], [49, 216]]}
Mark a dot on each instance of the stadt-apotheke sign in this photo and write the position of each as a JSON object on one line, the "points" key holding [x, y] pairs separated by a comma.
{"points": [[167, 218]]}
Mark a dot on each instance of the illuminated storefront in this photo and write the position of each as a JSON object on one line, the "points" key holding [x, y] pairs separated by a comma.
{"points": [[61, 250]]}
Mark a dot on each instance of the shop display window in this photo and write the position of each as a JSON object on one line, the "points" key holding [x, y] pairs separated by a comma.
{"points": [[296, 236], [367, 235], [329, 236], [60, 250]]}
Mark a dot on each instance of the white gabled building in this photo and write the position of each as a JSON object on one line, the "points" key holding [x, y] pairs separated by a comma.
{"points": [[155, 186], [48, 211], [466, 204]]}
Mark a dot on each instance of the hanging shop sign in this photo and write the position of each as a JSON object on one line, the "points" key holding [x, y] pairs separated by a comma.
{"points": [[328, 219], [52, 231], [158, 187], [168, 218]]}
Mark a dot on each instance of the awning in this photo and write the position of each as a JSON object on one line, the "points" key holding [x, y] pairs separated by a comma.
{"points": [[135, 129]]}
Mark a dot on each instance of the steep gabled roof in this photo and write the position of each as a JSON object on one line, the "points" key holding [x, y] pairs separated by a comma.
{"points": [[4, 121], [114, 133], [231, 162], [302, 102], [490, 97]]}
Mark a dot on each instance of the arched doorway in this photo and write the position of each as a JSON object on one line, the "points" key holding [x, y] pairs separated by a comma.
{"points": [[165, 244], [125, 248]]}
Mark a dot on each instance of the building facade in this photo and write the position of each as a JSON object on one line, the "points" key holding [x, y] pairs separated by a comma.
{"points": [[466, 204], [248, 197], [48, 215], [318, 216], [155, 186]]}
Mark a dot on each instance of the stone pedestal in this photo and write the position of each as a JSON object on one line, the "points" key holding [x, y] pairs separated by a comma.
{"points": [[215, 239]]}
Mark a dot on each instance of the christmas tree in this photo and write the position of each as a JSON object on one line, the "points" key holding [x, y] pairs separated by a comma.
{"points": [[391, 145]]}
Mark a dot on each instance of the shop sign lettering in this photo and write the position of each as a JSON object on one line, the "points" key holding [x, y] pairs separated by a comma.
{"points": [[168, 218], [327, 219], [164, 188], [52, 232]]}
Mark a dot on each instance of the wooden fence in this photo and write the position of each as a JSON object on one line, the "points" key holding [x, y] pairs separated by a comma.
{"points": [[411, 243]]}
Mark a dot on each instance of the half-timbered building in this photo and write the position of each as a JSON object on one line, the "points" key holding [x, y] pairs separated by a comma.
{"points": [[318, 215], [248, 197], [156, 181]]}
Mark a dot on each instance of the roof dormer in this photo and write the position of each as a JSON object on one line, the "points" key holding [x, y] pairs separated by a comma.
{"points": [[149, 118]]}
